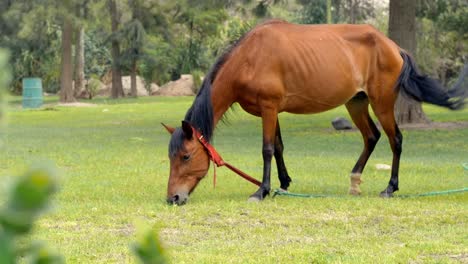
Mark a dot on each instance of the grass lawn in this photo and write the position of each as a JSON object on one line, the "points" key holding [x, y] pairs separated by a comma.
{"points": [[113, 158]]}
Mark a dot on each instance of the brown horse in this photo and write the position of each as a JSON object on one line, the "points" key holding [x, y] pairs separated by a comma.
{"points": [[282, 67]]}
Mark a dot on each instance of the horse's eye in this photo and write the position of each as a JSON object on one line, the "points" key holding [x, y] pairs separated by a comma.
{"points": [[186, 157]]}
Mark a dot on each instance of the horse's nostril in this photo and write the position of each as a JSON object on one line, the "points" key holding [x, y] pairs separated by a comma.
{"points": [[172, 200]]}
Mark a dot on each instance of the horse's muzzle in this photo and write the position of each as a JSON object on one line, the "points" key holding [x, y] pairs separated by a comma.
{"points": [[178, 199]]}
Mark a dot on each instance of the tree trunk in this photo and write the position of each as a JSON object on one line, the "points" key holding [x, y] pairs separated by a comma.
{"points": [[117, 89], [336, 4], [66, 74], [79, 61], [352, 11], [133, 84], [402, 30]]}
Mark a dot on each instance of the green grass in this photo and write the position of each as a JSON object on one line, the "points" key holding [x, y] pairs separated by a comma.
{"points": [[114, 163]]}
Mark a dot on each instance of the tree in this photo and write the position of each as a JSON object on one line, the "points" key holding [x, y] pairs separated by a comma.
{"points": [[4, 79], [313, 13], [202, 20], [38, 21], [79, 61], [402, 30], [442, 37], [355, 10], [134, 34], [80, 48], [31, 31], [66, 73], [117, 89]]}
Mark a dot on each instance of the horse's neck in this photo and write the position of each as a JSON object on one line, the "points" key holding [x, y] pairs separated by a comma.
{"points": [[222, 97]]}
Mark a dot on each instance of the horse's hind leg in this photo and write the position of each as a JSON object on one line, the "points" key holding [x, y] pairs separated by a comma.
{"points": [[358, 108], [384, 111], [283, 175]]}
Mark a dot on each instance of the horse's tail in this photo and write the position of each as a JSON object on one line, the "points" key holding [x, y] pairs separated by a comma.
{"points": [[425, 89]]}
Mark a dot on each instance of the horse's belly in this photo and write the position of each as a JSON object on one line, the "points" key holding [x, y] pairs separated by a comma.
{"points": [[307, 107], [250, 106], [318, 101]]}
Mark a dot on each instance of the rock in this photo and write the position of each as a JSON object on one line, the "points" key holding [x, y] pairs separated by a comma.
{"points": [[105, 90], [102, 89], [84, 94], [154, 88], [341, 123], [107, 78], [140, 85], [383, 167], [182, 87]]}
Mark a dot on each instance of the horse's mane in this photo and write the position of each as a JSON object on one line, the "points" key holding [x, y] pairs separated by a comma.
{"points": [[200, 114]]}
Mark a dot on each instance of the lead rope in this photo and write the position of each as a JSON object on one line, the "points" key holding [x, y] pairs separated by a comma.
{"points": [[214, 175], [218, 160]]}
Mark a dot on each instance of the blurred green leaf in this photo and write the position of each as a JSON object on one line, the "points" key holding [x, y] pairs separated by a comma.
{"points": [[28, 198], [149, 249], [6, 250], [33, 190], [17, 222], [43, 255]]}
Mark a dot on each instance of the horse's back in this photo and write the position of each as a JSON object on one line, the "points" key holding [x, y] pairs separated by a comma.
{"points": [[313, 68]]}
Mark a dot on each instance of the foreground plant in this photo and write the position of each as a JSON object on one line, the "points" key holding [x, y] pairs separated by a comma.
{"points": [[148, 249], [28, 199]]}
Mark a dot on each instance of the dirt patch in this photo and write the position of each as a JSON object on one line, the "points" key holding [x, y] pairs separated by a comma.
{"points": [[459, 258], [428, 126], [435, 125], [76, 104]]}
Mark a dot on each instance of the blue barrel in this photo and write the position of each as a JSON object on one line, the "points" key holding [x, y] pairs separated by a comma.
{"points": [[32, 92]]}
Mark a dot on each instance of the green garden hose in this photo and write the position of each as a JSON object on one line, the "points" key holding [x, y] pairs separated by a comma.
{"points": [[465, 165], [435, 193], [302, 195]]}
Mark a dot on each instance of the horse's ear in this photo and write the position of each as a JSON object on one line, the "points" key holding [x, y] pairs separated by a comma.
{"points": [[188, 130], [168, 128]]}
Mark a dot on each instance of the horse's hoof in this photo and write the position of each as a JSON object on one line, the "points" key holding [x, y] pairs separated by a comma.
{"points": [[259, 195], [253, 199], [386, 194], [354, 184], [354, 192]]}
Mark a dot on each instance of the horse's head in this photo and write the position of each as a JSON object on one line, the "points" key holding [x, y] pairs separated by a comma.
{"points": [[189, 163]]}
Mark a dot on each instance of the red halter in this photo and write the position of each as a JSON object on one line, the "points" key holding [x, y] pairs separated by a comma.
{"points": [[216, 158]]}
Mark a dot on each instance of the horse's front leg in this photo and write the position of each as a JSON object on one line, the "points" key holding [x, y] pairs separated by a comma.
{"points": [[283, 175], [269, 120]]}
